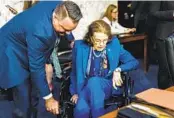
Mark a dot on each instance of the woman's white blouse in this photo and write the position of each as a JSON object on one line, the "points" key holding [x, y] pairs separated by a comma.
{"points": [[116, 28]]}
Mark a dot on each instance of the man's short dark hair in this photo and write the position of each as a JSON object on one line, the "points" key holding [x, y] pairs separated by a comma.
{"points": [[68, 8]]}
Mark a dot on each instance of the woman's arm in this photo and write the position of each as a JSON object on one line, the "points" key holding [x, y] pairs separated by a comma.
{"points": [[128, 62], [73, 89], [119, 29]]}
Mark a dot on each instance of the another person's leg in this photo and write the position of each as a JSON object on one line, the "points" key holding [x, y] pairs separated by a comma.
{"points": [[21, 97], [99, 90]]}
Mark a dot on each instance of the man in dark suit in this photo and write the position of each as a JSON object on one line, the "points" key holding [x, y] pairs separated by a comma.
{"points": [[26, 43], [163, 11], [145, 24], [141, 12]]}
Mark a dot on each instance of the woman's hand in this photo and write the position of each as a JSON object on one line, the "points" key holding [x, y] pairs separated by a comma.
{"points": [[116, 80], [133, 29], [130, 30], [74, 98]]}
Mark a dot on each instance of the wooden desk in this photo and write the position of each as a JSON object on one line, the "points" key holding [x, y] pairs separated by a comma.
{"points": [[126, 38], [113, 114]]}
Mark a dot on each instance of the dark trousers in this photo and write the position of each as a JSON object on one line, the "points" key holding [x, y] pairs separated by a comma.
{"points": [[22, 101], [28, 102], [164, 77], [152, 51], [141, 27]]}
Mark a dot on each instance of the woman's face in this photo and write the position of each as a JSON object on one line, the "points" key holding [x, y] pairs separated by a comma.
{"points": [[114, 14], [99, 41]]}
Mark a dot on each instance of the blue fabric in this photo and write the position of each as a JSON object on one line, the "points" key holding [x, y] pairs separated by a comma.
{"points": [[96, 68], [25, 46], [92, 91], [70, 37], [115, 54], [91, 99], [21, 98], [41, 110]]}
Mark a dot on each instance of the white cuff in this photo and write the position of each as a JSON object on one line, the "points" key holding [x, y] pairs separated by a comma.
{"points": [[118, 69], [48, 96]]}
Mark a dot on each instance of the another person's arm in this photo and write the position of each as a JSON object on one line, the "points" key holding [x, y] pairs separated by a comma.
{"points": [[120, 29], [49, 75], [161, 15], [73, 85], [37, 49]]}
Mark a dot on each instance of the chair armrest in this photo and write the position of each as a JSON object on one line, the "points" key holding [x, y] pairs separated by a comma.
{"points": [[64, 52]]}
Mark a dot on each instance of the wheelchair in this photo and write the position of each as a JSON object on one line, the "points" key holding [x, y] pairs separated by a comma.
{"points": [[6, 94], [65, 103]]}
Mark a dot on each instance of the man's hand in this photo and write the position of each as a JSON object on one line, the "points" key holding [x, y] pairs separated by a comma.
{"points": [[74, 98], [52, 105], [116, 80]]}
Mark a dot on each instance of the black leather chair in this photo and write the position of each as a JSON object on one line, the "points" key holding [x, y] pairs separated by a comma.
{"points": [[169, 47], [124, 98]]}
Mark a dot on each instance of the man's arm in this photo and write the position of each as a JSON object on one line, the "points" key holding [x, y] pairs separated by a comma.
{"points": [[37, 59], [160, 15], [38, 54]]}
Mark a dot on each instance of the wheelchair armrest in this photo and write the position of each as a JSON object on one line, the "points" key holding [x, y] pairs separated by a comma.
{"points": [[65, 57], [125, 98], [64, 52]]}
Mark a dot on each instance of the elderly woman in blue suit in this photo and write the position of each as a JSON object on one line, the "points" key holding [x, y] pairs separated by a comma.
{"points": [[95, 69]]}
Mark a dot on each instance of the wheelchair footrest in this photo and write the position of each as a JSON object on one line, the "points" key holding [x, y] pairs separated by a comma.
{"points": [[114, 100]]}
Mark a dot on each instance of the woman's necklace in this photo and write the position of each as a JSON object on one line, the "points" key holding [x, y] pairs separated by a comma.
{"points": [[96, 54]]}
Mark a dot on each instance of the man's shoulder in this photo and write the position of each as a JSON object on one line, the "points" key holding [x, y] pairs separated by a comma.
{"points": [[49, 3]]}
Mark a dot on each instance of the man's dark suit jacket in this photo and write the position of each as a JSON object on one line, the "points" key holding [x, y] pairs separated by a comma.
{"points": [[141, 9], [26, 42], [163, 11]]}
